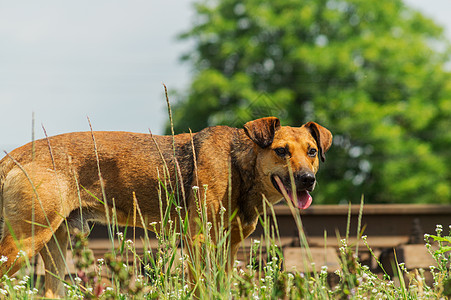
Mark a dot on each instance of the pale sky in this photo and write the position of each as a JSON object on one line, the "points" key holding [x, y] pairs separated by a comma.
{"points": [[105, 59]]}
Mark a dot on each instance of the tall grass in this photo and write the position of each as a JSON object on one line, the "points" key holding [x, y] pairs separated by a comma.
{"points": [[160, 273]]}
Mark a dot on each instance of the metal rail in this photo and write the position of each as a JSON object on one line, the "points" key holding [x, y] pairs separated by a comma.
{"points": [[387, 227], [396, 223], [408, 222]]}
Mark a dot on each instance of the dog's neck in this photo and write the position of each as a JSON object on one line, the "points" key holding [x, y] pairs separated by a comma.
{"points": [[246, 182]]}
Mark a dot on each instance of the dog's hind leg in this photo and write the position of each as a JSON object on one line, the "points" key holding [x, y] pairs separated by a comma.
{"points": [[54, 256], [11, 259], [33, 214], [14, 250]]}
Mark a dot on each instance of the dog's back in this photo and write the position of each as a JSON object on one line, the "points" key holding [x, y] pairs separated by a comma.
{"points": [[127, 162]]}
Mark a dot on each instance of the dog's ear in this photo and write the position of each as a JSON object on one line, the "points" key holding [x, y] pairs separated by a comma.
{"points": [[322, 136], [261, 131]]}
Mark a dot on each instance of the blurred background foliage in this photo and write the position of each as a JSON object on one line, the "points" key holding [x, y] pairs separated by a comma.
{"points": [[374, 72]]}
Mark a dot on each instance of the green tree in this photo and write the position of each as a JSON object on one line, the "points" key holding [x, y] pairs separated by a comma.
{"points": [[372, 71]]}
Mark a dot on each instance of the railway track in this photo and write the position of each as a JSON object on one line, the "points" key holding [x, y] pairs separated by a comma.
{"points": [[389, 228]]}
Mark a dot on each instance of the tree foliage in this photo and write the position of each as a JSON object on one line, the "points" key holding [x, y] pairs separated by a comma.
{"points": [[372, 71]]}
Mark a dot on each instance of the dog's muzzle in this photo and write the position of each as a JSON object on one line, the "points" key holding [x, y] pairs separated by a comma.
{"points": [[304, 183]]}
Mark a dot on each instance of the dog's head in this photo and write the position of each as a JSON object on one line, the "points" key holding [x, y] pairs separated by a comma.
{"points": [[288, 154]]}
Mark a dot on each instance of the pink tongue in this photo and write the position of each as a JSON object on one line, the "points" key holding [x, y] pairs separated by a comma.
{"points": [[304, 199]]}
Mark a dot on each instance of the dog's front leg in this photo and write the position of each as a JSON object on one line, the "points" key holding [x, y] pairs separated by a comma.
{"points": [[54, 255], [238, 232]]}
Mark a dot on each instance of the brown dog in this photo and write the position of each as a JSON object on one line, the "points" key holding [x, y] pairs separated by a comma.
{"points": [[45, 183]]}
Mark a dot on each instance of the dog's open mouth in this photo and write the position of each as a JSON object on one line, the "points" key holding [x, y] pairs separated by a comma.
{"points": [[301, 200]]}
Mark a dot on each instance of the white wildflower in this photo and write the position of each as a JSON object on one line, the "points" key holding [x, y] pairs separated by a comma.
{"points": [[21, 253], [209, 226], [129, 244], [33, 291], [3, 259], [438, 228], [255, 296]]}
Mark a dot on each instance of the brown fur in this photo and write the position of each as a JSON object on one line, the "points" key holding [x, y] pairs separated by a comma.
{"points": [[54, 177]]}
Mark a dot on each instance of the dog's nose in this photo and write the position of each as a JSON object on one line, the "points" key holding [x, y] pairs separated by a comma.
{"points": [[306, 180]]}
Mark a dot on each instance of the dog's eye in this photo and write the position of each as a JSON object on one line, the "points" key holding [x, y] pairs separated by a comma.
{"points": [[281, 151], [312, 152]]}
